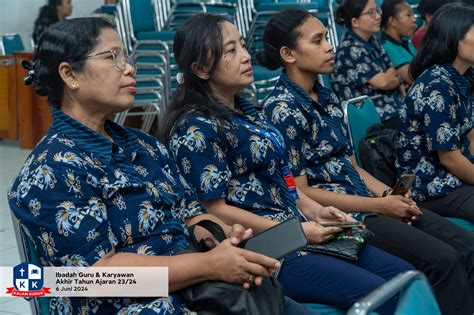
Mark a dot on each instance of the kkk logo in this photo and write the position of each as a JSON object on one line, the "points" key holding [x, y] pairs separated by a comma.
{"points": [[28, 281], [27, 277]]}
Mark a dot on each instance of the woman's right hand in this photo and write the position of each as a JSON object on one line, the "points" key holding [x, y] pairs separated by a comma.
{"points": [[236, 265], [318, 234], [399, 207]]}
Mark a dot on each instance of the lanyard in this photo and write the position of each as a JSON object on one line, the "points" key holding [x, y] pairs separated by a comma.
{"points": [[278, 144]]}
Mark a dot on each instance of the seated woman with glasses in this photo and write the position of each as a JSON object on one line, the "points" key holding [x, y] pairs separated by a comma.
{"points": [[93, 193], [399, 23], [362, 67]]}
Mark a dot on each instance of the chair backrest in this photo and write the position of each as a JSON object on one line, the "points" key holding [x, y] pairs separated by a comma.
{"points": [[415, 296], [27, 251], [11, 43], [360, 113]]}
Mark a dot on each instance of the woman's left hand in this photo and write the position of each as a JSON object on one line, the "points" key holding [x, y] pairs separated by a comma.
{"points": [[332, 214]]}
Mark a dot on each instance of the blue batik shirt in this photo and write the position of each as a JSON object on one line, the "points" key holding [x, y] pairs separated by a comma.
{"points": [[80, 196], [238, 164], [316, 137], [357, 61], [436, 115]]}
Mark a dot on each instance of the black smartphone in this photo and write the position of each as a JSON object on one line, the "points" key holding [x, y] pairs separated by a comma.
{"points": [[403, 184], [279, 240], [343, 225]]}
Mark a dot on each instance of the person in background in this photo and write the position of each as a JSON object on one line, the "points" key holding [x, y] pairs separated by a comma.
{"points": [[234, 160], [399, 23], [93, 193], [436, 135], [427, 9], [362, 67], [311, 121], [53, 12]]}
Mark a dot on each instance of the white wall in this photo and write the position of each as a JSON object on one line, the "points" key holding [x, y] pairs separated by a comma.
{"points": [[18, 16]]}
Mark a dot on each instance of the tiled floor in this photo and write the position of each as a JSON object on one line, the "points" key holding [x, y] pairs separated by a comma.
{"points": [[11, 159]]}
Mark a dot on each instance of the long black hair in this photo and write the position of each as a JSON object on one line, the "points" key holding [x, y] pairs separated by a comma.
{"points": [[281, 30], [68, 41], [440, 44], [198, 41], [348, 10]]}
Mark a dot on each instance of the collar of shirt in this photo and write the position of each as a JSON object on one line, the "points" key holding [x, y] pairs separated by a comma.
{"points": [[462, 82], [91, 140], [324, 95], [369, 45], [246, 107], [404, 43]]}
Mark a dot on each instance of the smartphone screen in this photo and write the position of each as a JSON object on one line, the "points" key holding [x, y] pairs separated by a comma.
{"points": [[277, 241], [343, 224], [403, 184]]}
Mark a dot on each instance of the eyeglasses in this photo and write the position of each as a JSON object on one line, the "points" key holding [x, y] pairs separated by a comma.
{"points": [[120, 59], [373, 12]]}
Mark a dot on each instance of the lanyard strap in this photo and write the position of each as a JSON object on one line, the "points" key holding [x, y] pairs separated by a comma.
{"points": [[278, 143]]}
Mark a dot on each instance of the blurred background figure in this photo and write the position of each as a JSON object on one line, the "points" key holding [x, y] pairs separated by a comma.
{"points": [[399, 24], [54, 11], [427, 9]]}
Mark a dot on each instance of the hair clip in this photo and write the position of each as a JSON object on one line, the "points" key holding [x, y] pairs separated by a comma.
{"points": [[31, 76], [180, 77]]}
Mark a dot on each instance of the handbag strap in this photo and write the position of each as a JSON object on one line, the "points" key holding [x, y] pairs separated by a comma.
{"points": [[213, 228]]}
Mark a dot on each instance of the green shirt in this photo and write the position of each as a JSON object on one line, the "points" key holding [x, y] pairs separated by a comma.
{"points": [[399, 53]]}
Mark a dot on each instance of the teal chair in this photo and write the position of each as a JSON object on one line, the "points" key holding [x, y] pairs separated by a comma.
{"points": [[360, 114], [39, 306], [463, 223], [415, 296], [27, 251], [11, 43]]}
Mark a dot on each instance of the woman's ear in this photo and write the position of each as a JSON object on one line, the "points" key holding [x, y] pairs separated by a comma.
{"points": [[200, 71], [391, 21], [68, 76], [287, 55], [355, 23]]}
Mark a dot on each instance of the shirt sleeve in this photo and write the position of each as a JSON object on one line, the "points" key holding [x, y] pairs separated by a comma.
{"points": [[63, 214], [186, 205], [443, 130], [364, 68], [200, 153], [398, 56], [292, 125]]}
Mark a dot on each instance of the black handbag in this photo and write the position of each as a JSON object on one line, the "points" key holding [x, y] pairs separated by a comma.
{"points": [[345, 245], [216, 297]]}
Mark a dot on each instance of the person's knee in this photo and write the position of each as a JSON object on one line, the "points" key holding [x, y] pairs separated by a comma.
{"points": [[448, 259]]}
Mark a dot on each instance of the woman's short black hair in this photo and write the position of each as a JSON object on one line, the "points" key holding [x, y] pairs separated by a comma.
{"points": [[348, 10], [440, 44], [65, 41], [390, 8], [281, 30], [198, 41]]}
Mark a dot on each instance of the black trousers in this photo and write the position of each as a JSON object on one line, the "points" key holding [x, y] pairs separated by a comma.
{"points": [[437, 247], [457, 204]]}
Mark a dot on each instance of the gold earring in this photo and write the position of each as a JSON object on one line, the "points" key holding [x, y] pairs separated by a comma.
{"points": [[73, 84]]}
